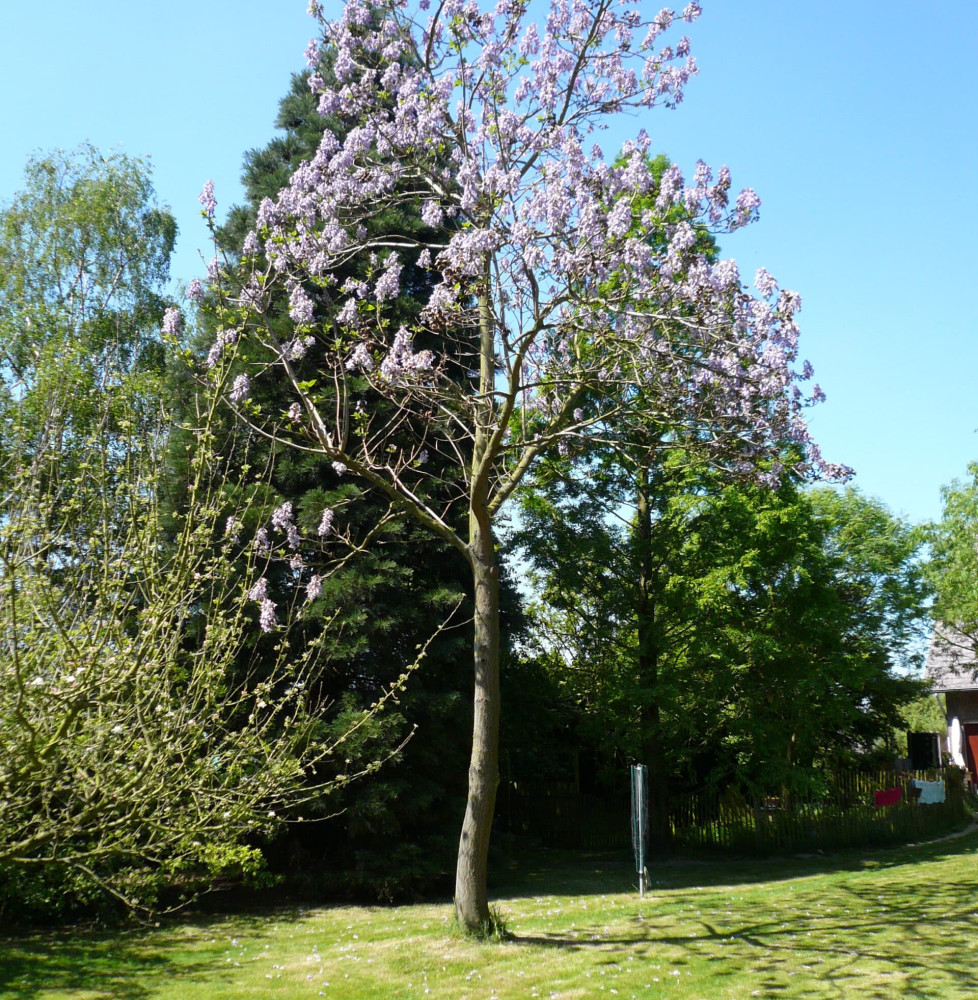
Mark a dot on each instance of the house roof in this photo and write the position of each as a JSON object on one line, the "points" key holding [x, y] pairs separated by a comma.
{"points": [[951, 661]]}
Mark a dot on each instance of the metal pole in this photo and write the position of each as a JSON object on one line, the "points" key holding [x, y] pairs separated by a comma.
{"points": [[639, 821]]}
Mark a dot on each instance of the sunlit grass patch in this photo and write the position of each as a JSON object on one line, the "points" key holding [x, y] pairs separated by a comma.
{"points": [[897, 923]]}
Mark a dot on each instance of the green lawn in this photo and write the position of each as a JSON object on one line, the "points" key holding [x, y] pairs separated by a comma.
{"points": [[870, 925]]}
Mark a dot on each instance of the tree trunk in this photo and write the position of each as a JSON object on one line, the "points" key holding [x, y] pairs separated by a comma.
{"points": [[471, 885], [648, 667], [471, 881]]}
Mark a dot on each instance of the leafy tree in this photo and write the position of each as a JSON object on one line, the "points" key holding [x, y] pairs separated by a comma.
{"points": [[952, 568], [482, 119], [127, 754], [814, 602], [84, 258], [783, 621], [605, 537]]}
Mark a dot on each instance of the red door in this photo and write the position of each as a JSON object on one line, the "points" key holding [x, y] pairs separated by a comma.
{"points": [[970, 733]]}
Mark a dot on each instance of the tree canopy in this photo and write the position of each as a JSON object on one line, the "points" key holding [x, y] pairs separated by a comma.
{"points": [[722, 632], [84, 259], [953, 564]]}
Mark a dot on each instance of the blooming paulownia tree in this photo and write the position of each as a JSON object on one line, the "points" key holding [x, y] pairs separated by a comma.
{"points": [[487, 124]]}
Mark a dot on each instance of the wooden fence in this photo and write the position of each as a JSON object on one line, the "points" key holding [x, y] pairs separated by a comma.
{"points": [[842, 815]]}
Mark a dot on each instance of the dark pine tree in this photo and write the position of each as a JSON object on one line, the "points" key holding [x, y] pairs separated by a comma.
{"points": [[386, 589]]}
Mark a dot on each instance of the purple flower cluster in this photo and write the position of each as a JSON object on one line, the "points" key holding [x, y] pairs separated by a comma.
{"points": [[388, 284], [282, 520], [250, 246], [267, 619], [297, 349], [301, 308], [240, 389], [402, 361], [207, 199], [360, 358], [348, 315], [172, 321], [223, 340], [325, 523], [282, 516]]}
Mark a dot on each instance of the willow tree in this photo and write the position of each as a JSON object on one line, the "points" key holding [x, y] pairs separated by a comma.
{"points": [[489, 120]]}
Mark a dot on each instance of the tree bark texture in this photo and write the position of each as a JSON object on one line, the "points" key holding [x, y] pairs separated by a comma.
{"points": [[471, 884], [471, 878]]}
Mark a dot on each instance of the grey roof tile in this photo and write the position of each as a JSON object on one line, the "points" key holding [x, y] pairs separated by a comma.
{"points": [[951, 662]]}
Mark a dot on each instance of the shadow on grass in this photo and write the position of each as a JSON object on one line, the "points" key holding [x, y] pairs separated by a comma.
{"points": [[111, 964], [874, 931], [912, 950], [103, 964]]}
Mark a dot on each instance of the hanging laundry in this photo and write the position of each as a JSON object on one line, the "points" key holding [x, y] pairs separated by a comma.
{"points": [[889, 797], [931, 792]]}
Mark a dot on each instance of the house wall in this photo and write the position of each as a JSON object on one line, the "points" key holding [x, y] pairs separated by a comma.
{"points": [[963, 704]]}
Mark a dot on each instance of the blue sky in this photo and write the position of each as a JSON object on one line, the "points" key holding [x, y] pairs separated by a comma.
{"points": [[857, 124]]}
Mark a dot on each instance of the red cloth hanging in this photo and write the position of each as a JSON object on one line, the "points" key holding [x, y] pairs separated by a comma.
{"points": [[890, 797]]}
